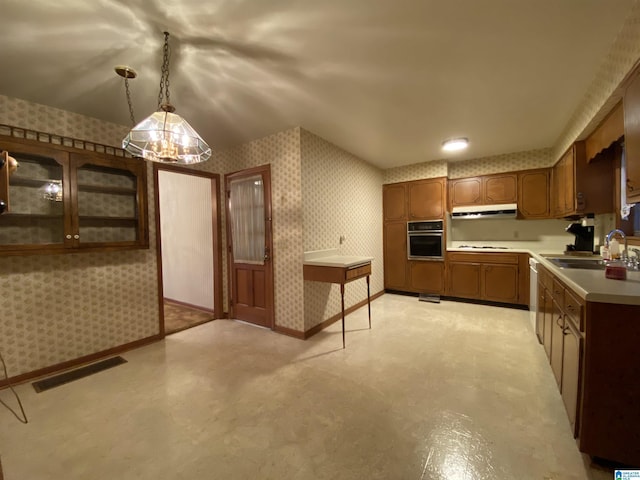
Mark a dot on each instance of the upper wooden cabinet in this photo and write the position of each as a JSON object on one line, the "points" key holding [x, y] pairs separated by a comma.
{"points": [[417, 200], [394, 202], [579, 187], [502, 188], [533, 193], [484, 190], [426, 199], [68, 200], [465, 191], [632, 138]]}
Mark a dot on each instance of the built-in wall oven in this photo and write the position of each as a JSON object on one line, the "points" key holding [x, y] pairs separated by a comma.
{"points": [[425, 240]]}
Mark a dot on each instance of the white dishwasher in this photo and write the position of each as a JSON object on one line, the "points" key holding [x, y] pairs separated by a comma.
{"points": [[533, 291]]}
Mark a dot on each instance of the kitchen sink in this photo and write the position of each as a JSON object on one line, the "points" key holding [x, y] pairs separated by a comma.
{"points": [[583, 263]]}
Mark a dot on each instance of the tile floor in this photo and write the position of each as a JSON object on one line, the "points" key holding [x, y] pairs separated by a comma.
{"points": [[434, 391]]}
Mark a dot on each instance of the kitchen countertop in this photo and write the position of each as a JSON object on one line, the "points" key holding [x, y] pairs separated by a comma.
{"points": [[591, 285]]}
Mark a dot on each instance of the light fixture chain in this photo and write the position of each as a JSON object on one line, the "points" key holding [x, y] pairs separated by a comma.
{"points": [[164, 75], [126, 86]]}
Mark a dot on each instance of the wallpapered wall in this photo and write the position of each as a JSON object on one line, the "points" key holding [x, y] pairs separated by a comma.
{"points": [[603, 92], [60, 307], [282, 151], [341, 195]]}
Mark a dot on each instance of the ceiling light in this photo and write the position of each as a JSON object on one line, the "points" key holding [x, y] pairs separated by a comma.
{"points": [[163, 136], [455, 144]]}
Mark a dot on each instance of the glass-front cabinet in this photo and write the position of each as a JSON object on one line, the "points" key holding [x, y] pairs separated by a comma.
{"points": [[62, 200]]}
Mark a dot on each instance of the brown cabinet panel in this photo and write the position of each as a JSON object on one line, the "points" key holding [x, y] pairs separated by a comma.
{"points": [[464, 280], [500, 188], [466, 191], [427, 276], [557, 335], [540, 313], [609, 131], [394, 204], [572, 347], [632, 138], [570, 182], [533, 193], [500, 283], [426, 199], [395, 256], [548, 321]]}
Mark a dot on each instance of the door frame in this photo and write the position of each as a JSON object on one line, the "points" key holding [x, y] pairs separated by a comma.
{"points": [[264, 170], [218, 310]]}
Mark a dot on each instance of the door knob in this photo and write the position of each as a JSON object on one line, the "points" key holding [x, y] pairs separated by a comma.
{"points": [[68, 237], [76, 236]]}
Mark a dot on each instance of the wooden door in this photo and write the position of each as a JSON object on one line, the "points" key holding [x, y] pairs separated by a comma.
{"points": [[426, 199], [466, 191], [571, 372], [632, 139], [500, 189], [533, 194], [464, 280], [427, 276], [500, 283], [395, 256], [394, 204], [249, 238]]}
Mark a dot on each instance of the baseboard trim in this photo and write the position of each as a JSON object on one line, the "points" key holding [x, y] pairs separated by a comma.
{"points": [[189, 305], [289, 332], [69, 364], [331, 320]]}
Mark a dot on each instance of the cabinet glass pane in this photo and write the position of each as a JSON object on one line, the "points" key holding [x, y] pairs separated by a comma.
{"points": [[36, 214], [107, 204]]}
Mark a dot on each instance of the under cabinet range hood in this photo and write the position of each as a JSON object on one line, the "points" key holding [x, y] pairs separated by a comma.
{"points": [[504, 210]]}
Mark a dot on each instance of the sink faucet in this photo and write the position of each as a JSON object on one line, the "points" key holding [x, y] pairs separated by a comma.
{"points": [[610, 235]]}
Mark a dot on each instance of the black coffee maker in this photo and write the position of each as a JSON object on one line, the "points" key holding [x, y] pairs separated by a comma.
{"points": [[584, 238]]}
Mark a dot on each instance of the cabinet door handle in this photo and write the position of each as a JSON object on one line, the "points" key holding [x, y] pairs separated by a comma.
{"points": [[68, 237], [558, 321], [76, 236]]}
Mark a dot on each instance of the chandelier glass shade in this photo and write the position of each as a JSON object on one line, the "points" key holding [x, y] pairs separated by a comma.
{"points": [[163, 136], [168, 138]]}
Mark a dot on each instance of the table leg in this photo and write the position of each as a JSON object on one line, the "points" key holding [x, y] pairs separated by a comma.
{"points": [[369, 301], [342, 296]]}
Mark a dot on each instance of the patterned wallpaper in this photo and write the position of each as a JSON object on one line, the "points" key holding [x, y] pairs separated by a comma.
{"points": [[508, 162], [341, 195], [417, 171], [62, 307], [603, 92], [282, 151]]}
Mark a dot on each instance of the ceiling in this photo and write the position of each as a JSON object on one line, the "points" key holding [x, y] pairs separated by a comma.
{"points": [[387, 80]]}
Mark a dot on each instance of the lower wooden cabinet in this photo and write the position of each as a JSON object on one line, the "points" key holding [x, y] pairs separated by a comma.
{"points": [[500, 283], [571, 355], [427, 276], [557, 341], [493, 277], [464, 280]]}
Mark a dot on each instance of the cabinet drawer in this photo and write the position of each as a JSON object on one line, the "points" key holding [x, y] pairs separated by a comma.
{"points": [[558, 293], [573, 309], [509, 258], [357, 272]]}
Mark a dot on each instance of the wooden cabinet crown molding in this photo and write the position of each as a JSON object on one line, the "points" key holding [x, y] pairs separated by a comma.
{"points": [[609, 131]]}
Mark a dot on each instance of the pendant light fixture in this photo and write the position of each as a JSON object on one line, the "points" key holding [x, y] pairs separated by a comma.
{"points": [[163, 136]]}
